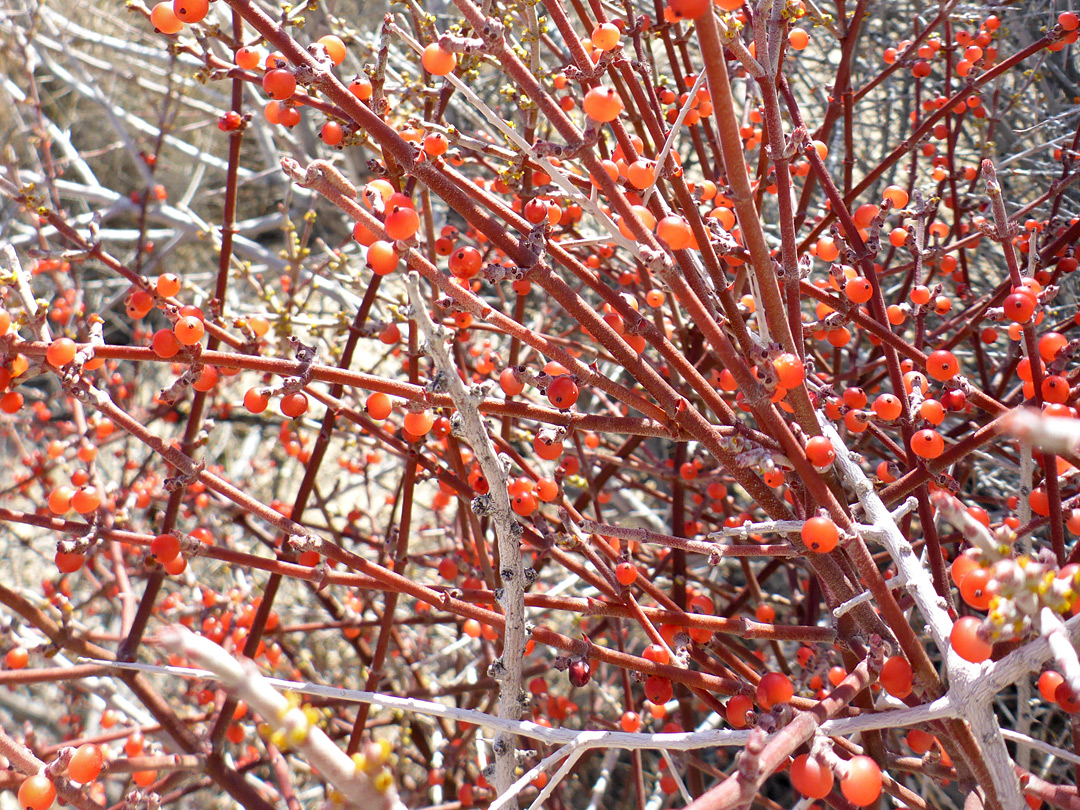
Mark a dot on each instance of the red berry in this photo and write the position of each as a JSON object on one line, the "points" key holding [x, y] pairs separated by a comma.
{"points": [[630, 722], [657, 654], [737, 709], [191, 11], [928, 444], [85, 764], [820, 451], [861, 784], [37, 793], [68, 563], [378, 405], [1066, 698], [279, 84], [402, 222], [294, 404], [975, 588], [810, 777], [579, 672], [1019, 307], [920, 741], [966, 641], [166, 547], [773, 689], [897, 677], [1048, 684], [658, 689], [465, 262], [942, 365], [602, 104], [255, 400], [820, 534], [563, 392]]}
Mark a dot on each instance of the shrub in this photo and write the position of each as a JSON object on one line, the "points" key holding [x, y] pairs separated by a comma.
{"points": [[693, 370]]}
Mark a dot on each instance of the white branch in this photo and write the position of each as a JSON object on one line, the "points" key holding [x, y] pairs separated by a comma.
{"points": [[364, 788], [507, 534]]}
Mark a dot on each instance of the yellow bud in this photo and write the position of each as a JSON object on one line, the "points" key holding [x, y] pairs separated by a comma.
{"points": [[360, 761], [383, 781], [384, 749], [297, 736]]}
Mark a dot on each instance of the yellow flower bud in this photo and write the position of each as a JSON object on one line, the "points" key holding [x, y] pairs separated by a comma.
{"points": [[383, 781]]}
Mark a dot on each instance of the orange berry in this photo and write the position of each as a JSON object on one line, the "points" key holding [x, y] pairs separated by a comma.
{"points": [[602, 104], [378, 405], [820, 534], [418, 423], [897, 195], [85, 764], [402, 222], [335, 48], [605, 36], [674, 231], [382, 258], [549, 451], [164, 18], [966, 641], [773, 689], [60, 499], [331, 133], [861, 783], [61, 352], [86, 500], [942, 365], [820, 451], [37, 793], [279, 84], [927, 444], [17, 658], [191, 11], [858, 290], [189, 329], [790, 370], [166, 547], [256, 401], [294, 405], [897, 677], [361, 88], [737, 709], [438, 62], [810, 777], [562, 392], [887, 407], [798, 39], [248, 58]]}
